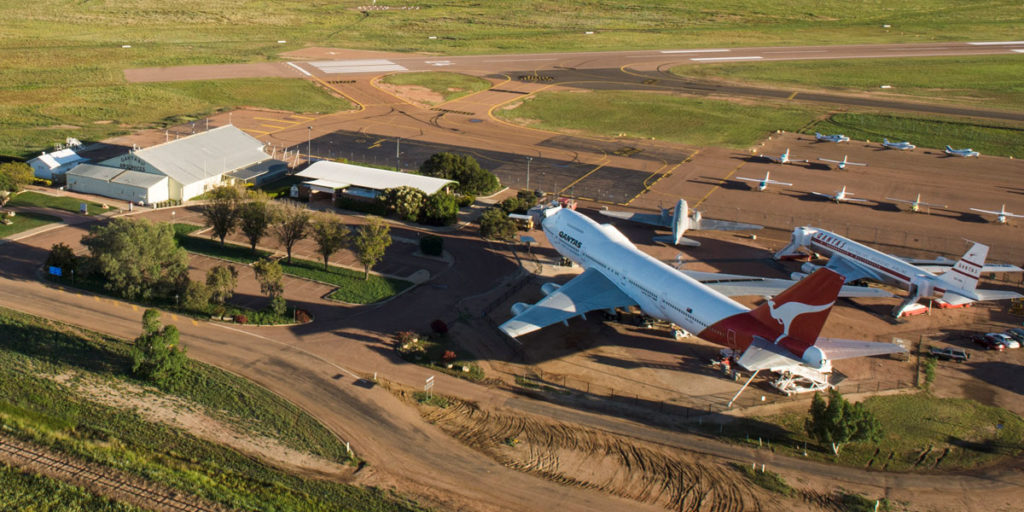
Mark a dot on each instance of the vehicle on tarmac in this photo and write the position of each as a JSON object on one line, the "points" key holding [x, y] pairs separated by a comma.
{"points": [[1003, 339], [949, 354], [987, 343], [1016, 333]]}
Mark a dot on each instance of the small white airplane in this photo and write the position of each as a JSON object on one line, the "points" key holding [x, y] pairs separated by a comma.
{"points": [[680, 220], [954, 285], [841, 164], [782, 159], [1001, 215], [779, 335], [897, 145], [915, 205], [841, 196], [762, 183], [968, 152], [831, 138]]}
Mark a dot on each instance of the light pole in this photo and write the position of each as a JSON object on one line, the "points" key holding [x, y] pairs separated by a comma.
{"points": [[398, 153], [528, 160], [309, 143]]}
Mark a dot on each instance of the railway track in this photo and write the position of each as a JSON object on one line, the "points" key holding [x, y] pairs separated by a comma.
{"points": [[103, 481]]}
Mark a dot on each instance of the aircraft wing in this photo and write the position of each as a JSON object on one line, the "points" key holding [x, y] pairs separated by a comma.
{"points": [[855, 200], [988, 267], [670, 240], [836, 349], [588, 291], [645, 218], [722, 225], [830, 197], [734, 285], [850, 269], [959, 300]]}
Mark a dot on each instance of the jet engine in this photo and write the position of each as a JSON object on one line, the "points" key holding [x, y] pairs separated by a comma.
{"points": [[920, 286], [796, 276], [809, 268], [519, 307], [549, 288]]}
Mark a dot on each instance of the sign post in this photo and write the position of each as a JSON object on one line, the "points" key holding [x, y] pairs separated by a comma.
{"points": [[428, 387]]}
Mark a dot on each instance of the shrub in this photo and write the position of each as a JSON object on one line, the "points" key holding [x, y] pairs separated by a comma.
{"points": [[302, 316], [432, 245], [240, 319], [375, 207], [439, 326], [448, 356], [465, 200]]}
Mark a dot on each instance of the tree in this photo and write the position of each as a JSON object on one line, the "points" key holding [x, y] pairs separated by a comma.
{"points": [[330, 235], [406, 202], [196, 297], [255, 216], [839, 422], [221, 210], [521, 203], [270, 277], [462, 168], [138, 259], [156, 356], [495, 225], [15, 175], [370, 242], [63, 257], [440, 209], [292, 225], [221, 281]]}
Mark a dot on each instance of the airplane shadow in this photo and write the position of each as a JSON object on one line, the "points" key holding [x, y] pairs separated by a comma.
{"points": [[726, 184]]}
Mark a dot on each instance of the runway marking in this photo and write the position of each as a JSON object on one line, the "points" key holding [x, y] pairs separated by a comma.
{"points": [[293, 347], [791, 96], [801, 51], [716, 187], [277, 120], [377, 144], [717, 59], [516, 60], [273, 126], [356, 66], [303, 71], [995, 43], [581, 178], [174, 317], [255, 131], [1017, 51], [663, 175], [715, 50], [303, 117]]}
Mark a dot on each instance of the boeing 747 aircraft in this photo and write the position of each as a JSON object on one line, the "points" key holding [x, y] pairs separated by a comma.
{"points": [[781, 333]]}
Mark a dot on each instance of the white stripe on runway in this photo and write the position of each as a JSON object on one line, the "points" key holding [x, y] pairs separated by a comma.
{"points": [[995, 43], [356, 66], [713, 59], [696, 51], [1017, 51], [303, 71]]}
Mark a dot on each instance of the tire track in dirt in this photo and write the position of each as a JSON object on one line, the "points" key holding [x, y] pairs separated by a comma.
{"points": [[571, 455]]}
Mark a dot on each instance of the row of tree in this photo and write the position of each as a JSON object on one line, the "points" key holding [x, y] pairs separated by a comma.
{"points": [[13, 177], [495, 223], [255, 215]]}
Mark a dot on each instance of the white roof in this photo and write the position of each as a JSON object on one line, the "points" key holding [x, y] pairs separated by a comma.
{"points": [[117, 175], [204, 155], [58, 158], [334, 173]]}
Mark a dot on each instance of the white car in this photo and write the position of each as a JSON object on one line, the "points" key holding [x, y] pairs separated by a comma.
{"points": [[1003, 339]]}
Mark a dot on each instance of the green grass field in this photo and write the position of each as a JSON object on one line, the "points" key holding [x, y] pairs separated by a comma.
{"points": [[24, 491], [25, 221], [449, 85], [990, 138], [694, 121], [60, 83], [37, 408], [947, 79], [920, 433], [66, 203]]}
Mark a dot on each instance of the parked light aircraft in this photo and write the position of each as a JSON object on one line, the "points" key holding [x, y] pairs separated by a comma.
{"points": [[916, 204], [856, 261], [1001, 215], [841, 164], [968, 152], [782, 159], [781, 333], [762, 183], [831, 138], [897, 145], [681, 220], [841, 196]]}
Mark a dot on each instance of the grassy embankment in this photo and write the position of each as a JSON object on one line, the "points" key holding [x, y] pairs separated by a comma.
{"points": [[37, 355], [352, 288], [66, 203], [25, 221], [69, 82], [449, 86], [26, 491], [920, 433]]}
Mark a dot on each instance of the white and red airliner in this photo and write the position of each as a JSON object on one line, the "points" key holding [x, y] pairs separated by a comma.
{"points": [[782, 332]]}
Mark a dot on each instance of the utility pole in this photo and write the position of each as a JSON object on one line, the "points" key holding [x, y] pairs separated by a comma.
{"points": [[398, 153], [528, 160], [309, 143]]}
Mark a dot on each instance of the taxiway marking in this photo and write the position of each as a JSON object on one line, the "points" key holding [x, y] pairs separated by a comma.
{"points": [[717, 59]]}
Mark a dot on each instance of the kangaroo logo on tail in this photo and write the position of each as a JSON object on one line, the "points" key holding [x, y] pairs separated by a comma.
{"points": [[788, 312]]}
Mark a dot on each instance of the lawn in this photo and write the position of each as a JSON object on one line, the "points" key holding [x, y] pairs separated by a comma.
{"points": [[69, 82], [449, 85], [920, 433], [25, 221], [990, 138], [352, 288], [37, 408], [945, 79], [68, 204], [695, 121]]}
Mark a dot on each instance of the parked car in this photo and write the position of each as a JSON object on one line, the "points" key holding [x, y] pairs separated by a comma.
{"points": [[950, 354], [1016, 333], [988, 343], [1006, 340]]}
